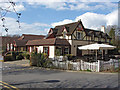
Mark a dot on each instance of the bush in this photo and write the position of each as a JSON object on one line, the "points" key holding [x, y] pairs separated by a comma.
{"points": [[33, 59], [40, 60], [70, 56], [19, 57], [27, 56], [9, 58]]}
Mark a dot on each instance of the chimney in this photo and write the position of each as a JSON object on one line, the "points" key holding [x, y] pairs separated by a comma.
{"points": [[103, 28], [79, 20]]}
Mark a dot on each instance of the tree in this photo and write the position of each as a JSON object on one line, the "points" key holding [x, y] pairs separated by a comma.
{"points": [[112, 35], [117, 42], [4, 11]]}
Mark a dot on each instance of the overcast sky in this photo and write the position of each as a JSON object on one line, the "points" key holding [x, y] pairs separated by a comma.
{"points": [[39, 16]]}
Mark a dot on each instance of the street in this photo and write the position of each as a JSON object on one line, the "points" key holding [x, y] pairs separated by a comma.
{"points": [[24, 76]]}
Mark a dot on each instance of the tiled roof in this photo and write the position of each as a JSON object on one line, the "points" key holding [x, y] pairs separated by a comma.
{"points": [[30, 37], [72, 26], [7, 39], [20, 42], [90, 32], [52, 41], [69, 27]]}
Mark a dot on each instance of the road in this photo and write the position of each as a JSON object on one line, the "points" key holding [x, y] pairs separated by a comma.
{"points": [[24, 76]]}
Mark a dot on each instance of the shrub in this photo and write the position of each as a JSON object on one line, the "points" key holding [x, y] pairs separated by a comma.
{"points": [[27, 56], [70, 56], [9, 58], [33, 59], [19, 57], [88, 70], [40, 60]]}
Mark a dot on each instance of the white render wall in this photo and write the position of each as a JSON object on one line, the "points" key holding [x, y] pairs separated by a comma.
{"points": [[51, 51], [40, 49], [30, 49]]}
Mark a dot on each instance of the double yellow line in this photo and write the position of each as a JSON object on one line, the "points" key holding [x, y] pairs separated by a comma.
{"points": [[6, 85]]}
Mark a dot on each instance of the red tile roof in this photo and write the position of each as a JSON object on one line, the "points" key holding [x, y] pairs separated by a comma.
{"points": [[52, 41], [30, 37], [20, 43]]}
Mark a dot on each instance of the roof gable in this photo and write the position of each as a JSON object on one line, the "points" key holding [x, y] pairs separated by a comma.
{"points": [[69, 27]]}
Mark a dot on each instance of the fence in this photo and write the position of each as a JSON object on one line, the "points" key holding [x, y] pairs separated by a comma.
{"points": [[111, 64], [82, 65]]}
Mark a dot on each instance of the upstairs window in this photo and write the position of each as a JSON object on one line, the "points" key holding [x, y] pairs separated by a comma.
{"points": [[79, 35], [64, 34], [92, 37]]}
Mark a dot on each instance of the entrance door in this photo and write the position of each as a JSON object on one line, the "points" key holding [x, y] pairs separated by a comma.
{"points": [[79, 52]]}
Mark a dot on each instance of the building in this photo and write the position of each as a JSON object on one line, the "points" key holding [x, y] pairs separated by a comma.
{"points": [[67, 38], [20, 43], [4, 40]]}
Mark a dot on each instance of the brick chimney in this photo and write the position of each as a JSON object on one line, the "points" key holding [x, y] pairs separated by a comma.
{"points": [[103, 28]]}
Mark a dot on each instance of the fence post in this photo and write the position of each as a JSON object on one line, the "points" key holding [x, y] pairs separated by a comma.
{"points": [[98, 65]]}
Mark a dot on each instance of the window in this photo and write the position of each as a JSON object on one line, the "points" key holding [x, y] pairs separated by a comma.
{"points": [[46, 50], [58, 51], [79, 35], [105, 39], [32, 49], [99, 39], [66, 51], [92, 37], [64, 34], [11, 46], [8, 47]]}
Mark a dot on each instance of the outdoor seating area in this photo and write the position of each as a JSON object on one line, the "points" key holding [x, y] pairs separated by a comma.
{"points": [[97, 52], [92, 57]]}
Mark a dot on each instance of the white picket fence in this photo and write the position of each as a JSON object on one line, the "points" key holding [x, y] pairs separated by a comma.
{"points": [[90, 66], [82, 65], [112, 63]]}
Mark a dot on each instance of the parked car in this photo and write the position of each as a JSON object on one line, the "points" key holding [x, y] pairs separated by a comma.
{"points": [[10, 56]]}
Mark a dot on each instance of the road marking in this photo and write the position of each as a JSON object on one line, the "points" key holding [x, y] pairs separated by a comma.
{"points": [[6, 85]]}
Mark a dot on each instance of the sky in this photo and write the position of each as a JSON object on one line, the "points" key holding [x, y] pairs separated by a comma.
{"points": [[38, 16]]}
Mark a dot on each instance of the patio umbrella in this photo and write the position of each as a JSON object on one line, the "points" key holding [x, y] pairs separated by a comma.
{"points": [[96, 47]]}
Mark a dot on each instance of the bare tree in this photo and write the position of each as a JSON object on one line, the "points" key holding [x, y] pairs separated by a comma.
{"points": [[4, 11]]}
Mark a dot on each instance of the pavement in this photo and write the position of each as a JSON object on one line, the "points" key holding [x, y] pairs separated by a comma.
{"points": [[20, 75]]}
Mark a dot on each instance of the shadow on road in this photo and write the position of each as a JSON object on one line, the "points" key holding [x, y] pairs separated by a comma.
{"points": [[52, 81]]}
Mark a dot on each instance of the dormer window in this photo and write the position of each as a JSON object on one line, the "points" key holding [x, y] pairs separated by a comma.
{"points": [[64, 34], [79, 35]]}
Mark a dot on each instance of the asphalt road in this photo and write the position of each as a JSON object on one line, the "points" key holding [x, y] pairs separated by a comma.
{"points": [[33, 77]]}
